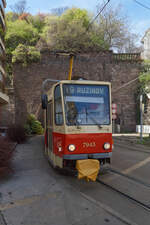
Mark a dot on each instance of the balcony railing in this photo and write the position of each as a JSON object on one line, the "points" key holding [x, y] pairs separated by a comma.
{"points": [[134, 57], [2, 9], [2, 44], [1, 77], [2, 4], [2, 68], [2, 53], [2, 21]]}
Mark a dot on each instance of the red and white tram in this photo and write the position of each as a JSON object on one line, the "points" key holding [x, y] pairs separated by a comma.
{"points": [[78, 123]]}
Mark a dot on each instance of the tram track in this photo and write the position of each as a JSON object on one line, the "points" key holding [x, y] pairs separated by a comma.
{"points": [[129, 177], [128, 147], [127, 196]]}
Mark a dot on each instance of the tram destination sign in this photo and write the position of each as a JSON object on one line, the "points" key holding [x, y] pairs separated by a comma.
{"points": [[85, 90]]}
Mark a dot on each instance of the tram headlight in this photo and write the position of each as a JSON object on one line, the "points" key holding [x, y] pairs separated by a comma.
{"points": [[107, 146], [71, 148]]}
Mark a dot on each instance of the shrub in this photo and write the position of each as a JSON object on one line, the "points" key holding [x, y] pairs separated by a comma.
{"points": [[16, 133], [27, 129], [6, 153], [33, 126], [25, 54]]}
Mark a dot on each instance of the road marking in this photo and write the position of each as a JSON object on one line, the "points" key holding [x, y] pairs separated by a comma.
{"points": [[136, 166], [27, 201]]}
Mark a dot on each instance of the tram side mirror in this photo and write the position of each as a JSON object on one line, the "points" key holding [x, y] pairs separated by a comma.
{"points": [[44, 101]]}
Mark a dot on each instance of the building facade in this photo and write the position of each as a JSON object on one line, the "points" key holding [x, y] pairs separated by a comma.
{"points": [[146, 45], [3, 96]]}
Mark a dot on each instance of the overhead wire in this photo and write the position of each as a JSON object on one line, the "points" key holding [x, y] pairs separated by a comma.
{"points": [[141, 4], [97, 14], [128, 83]]}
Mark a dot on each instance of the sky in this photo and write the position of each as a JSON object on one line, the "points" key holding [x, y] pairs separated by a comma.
{"points": [[138, 16]]}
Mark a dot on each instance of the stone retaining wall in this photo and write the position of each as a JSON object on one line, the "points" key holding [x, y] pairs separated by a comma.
{"points": [[94, 66]]}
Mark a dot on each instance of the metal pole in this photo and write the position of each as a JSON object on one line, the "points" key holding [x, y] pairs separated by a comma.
{"points": [[71, 65], [113, 126], [141, 119]]}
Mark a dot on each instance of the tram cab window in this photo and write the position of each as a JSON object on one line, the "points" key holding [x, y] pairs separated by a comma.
{"points": [[58, 106], [86, 104]]}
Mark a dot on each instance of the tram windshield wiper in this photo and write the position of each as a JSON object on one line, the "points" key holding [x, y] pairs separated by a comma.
{"points": [[94, 120]]}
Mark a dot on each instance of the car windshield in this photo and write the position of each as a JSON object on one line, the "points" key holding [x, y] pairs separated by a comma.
{"points": [[86, 104]]}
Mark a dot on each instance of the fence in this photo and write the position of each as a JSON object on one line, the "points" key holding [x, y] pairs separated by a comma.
{"points": [[135, 57]]}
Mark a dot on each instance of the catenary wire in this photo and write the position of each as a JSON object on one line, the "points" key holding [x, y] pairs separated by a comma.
{"points": [[141, 4], [98, 14]]}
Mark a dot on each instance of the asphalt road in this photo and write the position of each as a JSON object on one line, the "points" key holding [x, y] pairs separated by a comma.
{"points": [[37, 194]]}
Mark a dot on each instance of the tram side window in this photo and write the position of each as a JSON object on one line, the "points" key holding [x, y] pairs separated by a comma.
{"points": [[58, 107]]}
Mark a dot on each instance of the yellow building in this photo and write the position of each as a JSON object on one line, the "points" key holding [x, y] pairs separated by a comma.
{"points": [[3, 96]]}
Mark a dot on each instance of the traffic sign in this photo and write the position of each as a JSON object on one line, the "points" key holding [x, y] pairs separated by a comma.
{"points": [[114, 116], [114, 106], [114, 111]]}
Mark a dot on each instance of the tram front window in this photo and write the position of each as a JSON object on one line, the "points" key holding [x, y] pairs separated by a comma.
{"points": [[86, 104]]}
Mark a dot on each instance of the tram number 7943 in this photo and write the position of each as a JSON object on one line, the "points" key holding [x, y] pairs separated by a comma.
{"points": [[89, 144]]}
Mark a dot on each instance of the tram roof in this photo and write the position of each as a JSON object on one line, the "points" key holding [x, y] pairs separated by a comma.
{"points": [[82, 82]]}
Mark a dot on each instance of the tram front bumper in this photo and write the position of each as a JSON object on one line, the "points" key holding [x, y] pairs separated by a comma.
{"points": [[88, 156]]}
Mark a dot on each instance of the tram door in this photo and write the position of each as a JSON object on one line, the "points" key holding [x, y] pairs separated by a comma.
{"points": [[50, 127]]}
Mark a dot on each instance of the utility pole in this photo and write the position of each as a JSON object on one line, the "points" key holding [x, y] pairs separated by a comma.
{"points": [[71, 66], [141, 118]]}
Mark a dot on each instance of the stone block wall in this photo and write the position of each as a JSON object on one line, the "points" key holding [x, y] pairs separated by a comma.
{"points": [[93, 66], [7, 112], [124, 87]]}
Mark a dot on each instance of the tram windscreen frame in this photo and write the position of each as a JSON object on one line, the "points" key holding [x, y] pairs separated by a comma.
{"points": [[86, 104]]}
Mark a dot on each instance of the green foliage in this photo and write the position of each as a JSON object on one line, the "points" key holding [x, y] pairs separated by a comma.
{"points": [[11, 17], [20, 32], [37, 21], [69, 32], [146, 62], [33, 126], [144, 79], [76, 15], [25, 54], [145, 141], [142, 89]]}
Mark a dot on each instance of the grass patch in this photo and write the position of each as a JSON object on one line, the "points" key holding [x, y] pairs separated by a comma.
{"points": [[145, 141]]}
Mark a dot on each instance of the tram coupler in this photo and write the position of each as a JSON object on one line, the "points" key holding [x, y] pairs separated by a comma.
{"points": [[88, 169]]}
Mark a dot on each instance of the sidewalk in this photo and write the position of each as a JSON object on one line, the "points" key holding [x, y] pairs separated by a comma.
{"points": [[37, 195], [131, 141]]}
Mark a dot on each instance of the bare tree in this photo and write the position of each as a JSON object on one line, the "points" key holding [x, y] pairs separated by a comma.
{"points": [[59, 11], [19, 7], [131, 45], [115, 28]]}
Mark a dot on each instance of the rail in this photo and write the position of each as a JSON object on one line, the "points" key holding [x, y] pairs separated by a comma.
{"points": [[132, 57]]}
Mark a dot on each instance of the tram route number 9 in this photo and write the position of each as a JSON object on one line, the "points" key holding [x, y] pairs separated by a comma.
{"points": [[89, 144]]}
